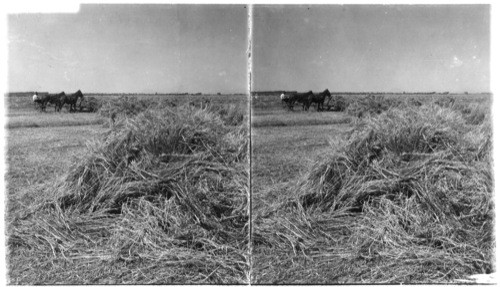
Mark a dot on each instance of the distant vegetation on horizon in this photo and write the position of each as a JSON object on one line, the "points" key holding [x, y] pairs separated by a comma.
{"points": [[373, 93], [123, 93]]}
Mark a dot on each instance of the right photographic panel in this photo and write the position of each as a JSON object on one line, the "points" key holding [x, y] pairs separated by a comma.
{"points": [[371, 144]]}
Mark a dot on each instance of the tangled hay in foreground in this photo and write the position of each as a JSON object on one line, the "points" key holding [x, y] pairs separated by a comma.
{"points": [[408, 199], [165, 191]]}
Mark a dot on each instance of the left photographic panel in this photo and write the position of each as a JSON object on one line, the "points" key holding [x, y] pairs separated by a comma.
{"points": [[127, 146]]}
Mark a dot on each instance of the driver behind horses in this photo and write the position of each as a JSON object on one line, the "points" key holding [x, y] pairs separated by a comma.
{"points": [[35, 97]]}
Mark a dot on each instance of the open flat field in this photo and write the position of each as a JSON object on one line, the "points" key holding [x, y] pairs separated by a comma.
{"points": [[42, 149], [305, 235], [390, 191]]}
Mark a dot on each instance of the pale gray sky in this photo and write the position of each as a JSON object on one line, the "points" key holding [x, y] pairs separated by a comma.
{"points": [[202, 48], [388, 48], [130, 48]]}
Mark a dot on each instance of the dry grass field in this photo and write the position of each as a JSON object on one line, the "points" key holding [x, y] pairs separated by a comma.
{"points": [[395, 189], [81, 210]]}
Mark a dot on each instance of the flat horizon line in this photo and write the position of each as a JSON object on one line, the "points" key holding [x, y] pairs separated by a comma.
{"points": [[253, 92], [377, 92], [137, 93]]}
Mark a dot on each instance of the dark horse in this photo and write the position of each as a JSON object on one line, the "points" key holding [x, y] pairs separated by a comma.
{"points": [[72, 99], [304, 98], [56, 99], [320, 99]]}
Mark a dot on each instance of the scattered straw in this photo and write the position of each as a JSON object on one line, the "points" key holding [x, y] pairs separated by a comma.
{"points": [[407, 200], [164, 191]]}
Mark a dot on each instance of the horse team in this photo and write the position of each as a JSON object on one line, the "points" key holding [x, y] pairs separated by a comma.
{"points": [[289, 99], [58, 100], [306, 99]]}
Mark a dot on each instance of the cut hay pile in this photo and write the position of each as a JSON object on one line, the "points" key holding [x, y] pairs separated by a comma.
{"points": [[90, 104], [337, 104], [408, 199], [129, 106], [473, 113], [372, 105], [162, 197]]}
